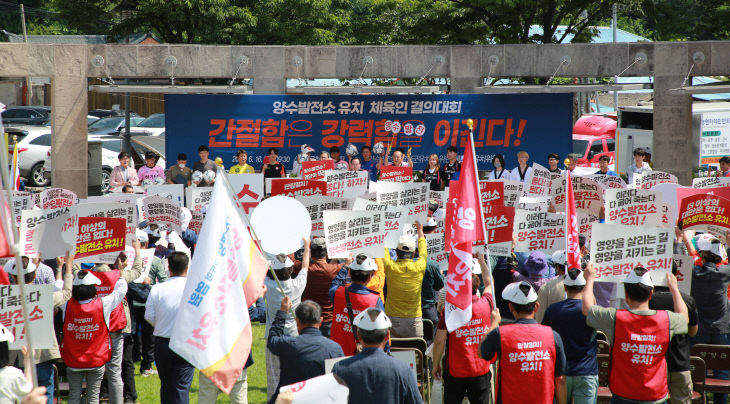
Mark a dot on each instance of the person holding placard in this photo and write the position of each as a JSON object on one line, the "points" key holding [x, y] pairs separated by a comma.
{"points": [[403, 279], [433, 174], [639, 337], [553, 159], [124, 173], [242, 167], [399, 156], [638, 166], [433, 281], [499, 172], [320, 274], [44, 358], [179, 173], [86, 346], [350, 300], [523, 172], [298, 160], [579, 340]]}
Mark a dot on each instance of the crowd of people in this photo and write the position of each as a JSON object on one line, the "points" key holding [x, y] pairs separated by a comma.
{"points": [[540, 317]]}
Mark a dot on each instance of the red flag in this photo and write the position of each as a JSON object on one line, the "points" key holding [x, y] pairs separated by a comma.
{"points": [[572, 248], [466, 225], [6, 226]]}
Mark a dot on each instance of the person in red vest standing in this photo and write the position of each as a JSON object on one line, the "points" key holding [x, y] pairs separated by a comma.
{"points": [[349, 301], [531, 355], [86, 346], [464, 372], [639, 337]]}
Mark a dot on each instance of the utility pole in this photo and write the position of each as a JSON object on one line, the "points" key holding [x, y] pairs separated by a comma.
{"points": [[614, 23], [28, 86]]}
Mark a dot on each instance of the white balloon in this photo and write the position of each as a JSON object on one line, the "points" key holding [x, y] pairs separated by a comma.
{"points": [[280, 223]]}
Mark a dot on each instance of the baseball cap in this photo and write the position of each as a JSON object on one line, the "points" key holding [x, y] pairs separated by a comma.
{"points": [[142, 236], [708, 242], [279, 261], [514, 293], [406, 243], [12, 270], [633, 277], [363, 263], [579, 280], [86, 278], [6, 335], [559, 258], [364, 320]]}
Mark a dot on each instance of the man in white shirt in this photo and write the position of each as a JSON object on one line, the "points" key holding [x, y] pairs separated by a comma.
{"points": [[176, 374], [639, 166], [523, 172]]}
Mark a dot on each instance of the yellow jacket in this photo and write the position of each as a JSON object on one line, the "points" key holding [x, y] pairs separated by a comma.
{"points": [[404, 279]]}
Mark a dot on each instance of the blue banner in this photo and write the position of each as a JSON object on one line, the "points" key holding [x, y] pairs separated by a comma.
{"points": [[503, 124]]}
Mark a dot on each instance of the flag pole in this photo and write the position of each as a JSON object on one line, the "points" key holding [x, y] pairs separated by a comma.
{"points": [[222, 174], [12, 237]]}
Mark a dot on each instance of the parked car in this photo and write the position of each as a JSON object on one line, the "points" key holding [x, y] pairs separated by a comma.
{"points": [[103, 113], [26, 115], [89, 120], [34, 144], [154, 125], [112, 125], [110, 147]]}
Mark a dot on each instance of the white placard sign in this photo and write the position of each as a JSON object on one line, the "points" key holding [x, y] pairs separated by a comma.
{"points": [[120, 209], [197, 197], [321, 389], [585, 224], [163, 211], [617, 249], [607, 181], [633, 207], [588, 195], [40, 314], [411, 196], [534, 203], [316, 206], [355, 232], [40, 230], [394, 218], [346, 184], [685, 263], [710, 182], [173, 192], [539, 231], [513, 190], [54, 198], [440, 197], [650, 179], [540, 182], [437, 250], [249, 188], [21, 201]]}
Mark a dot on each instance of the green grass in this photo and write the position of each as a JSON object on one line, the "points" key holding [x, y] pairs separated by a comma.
{"points": [[148, 388]]}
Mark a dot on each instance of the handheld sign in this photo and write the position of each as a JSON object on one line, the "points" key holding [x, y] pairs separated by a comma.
{"points": [[280, 224]]}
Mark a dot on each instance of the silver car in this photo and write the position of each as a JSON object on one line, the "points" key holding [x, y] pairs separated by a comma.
{"points": [[34, 144]]}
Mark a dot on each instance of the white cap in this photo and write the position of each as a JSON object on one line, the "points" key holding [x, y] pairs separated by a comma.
{"points": [[708, 242], [633, 277], [363, 263], [363, 320], [306, 149], [6, 335], [10, 267], [142, 236], [514, 294], [431, 222], [406, 243], [280, 261], [559, 258], [578, 281], [88, 279]]}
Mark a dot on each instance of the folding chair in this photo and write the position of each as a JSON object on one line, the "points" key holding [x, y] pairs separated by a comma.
{"points": [[422, 372], [698, 371], [716, 357], [604, 364], [417, 343], [604, 348], [428, 328]]}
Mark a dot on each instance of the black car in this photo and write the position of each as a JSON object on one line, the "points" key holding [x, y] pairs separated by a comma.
{"points": [[26, 115], [104, 113]]}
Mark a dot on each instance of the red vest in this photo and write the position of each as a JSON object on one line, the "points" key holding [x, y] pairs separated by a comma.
{"points": [[464, 360], [527, 364], [117, 318], [341, 331], [86, 341], [638, 369]]}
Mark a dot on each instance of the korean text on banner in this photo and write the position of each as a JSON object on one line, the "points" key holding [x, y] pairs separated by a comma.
{"points": [[492, 193], [173, 192], [163, 211], [120, 209], [249, 189], [650, 179], [196, 222], [513, 191], [394, 218], [539, 231], [99, 235], [585, 225], [21, 201], [40, 229], [540, 182], [588, 195], [396, 174], [197, 197], [54, 198], [354, 232], [436, 247], [607, 181], [292, 187], [534, 203], [412, 197], [314, 170], [633, 207], [618, 249], [226, 273], [710, 182], [700, 211], [316, 205], [40, 314], [346, 184], [499, 221]]}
